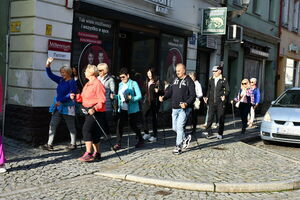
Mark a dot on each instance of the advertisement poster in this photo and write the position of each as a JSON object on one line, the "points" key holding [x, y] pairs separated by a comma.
{"points": [[172, 51], [92, 42]]}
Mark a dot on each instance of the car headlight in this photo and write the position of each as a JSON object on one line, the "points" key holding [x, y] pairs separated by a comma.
{"points": [[267, 117]]}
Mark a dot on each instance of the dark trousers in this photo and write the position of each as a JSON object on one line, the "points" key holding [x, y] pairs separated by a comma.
{"points": [[123, 118], [90, 130], [244, 111], [153, 110], [195, 113], [216, 109]]}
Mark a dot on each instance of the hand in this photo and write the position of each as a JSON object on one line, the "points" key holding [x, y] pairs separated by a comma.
{"points": [[57, 104], [231, 101], [156, 90], [129, 97], [72, 96], [91, 111], [161, 98], [223, 98], [183, 105], [254, 107], [49, 61], [205, 99], [112, 96]]}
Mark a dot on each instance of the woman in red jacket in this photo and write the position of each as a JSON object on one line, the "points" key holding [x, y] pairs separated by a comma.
{"points": [[93, 100]]}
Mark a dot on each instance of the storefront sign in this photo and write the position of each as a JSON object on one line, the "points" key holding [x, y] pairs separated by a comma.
{"points": [[259, 53], [294, 48], [59, 49], [92, 42], [214, 21], [161, 6]]}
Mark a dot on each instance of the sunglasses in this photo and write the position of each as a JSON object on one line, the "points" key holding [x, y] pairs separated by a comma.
{"points": [[214, 71], [244, 83], [101, 70], [252, 82], [122, 77]]}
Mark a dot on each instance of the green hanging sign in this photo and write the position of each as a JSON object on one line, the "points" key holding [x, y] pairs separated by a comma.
{"points": [[214, 21]]}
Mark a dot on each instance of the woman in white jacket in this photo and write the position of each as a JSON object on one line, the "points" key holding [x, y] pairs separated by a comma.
{"points": [[199, 94]]}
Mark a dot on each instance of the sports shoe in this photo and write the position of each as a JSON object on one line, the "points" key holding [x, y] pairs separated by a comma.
{"points": [[186, 142], [116, 147], [177, 150], [243, 131], [87, 157], [206, 134], [140, 144], [71, 147], [146, 136], [2, 169], [96, 156], [215, 125], [219, 137], [152, 139], [48, 147]]}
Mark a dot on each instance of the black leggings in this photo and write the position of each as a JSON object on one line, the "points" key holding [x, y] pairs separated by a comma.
{"points": [[244, 111], [123, 116], [90, 130], [153, 110]]}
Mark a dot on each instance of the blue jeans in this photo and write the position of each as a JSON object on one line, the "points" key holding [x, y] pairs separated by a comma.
{"points": [[179, 118]]}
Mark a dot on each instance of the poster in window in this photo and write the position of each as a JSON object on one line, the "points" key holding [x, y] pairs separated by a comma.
{"points": [[92, 42], [172, 51]]}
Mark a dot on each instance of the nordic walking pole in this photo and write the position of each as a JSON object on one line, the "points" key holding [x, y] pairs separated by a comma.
{"points": [[233, 117]]}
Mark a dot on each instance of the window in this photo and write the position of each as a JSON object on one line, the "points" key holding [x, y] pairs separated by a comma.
{"points": [[285, 13], [272, 10], [296, 16], [256, 7]]}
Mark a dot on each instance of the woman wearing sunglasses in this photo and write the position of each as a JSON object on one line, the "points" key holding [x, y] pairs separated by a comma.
{"points": [[243, 102]]}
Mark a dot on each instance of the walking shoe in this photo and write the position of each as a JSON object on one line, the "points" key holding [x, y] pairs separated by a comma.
{"points": [[2, 169], [96, 156], [186, 142], [215, 125], [48, 147], [71, 147], [152, 139], [177, 150], [243, 131], [146, 136], [219, 137], [206, 134], [116, 147], [140, 144], [87, 157]]}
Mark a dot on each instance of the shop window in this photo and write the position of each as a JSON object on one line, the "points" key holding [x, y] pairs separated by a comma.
{"points": [[289, 73], [92, 42]]}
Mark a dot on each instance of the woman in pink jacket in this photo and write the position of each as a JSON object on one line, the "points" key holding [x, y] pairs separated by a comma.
{"points": [[93, 102]]}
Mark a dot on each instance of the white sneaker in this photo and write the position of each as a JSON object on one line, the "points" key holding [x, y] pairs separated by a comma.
{"points": [[152, 139], [219, 137], [146, 136], [177, 151], [206, 134], [2, 169], [186, 142]]}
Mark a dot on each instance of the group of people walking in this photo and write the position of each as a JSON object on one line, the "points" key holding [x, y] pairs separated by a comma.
{"points": [[96, 101]]}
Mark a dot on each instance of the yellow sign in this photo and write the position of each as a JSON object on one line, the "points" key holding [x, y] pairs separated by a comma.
{"points": [[48, 29], [15, 26]]}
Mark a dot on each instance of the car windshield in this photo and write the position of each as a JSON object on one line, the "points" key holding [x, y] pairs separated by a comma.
{"points": [[290, 98]]}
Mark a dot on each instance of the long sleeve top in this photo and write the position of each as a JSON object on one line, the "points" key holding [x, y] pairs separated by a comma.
{"points": [[198, 89], [256, 96], [64, 88], [110, 88], [93, 95]]}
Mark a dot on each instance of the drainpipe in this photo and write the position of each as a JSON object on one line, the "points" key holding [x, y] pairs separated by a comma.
{"points": [[278, 47]]}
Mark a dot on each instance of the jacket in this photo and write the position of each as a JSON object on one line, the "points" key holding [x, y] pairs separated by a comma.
{"points": [[214, 92], [133, 90]]}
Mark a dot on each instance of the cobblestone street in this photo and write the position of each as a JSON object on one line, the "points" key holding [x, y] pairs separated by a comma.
{"points": [[37, 174]]}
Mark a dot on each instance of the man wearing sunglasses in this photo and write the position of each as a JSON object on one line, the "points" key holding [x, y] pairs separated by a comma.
{"points": [[217, 92]]}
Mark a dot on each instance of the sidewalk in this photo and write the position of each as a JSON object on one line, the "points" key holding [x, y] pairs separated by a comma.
{"points": [[227, 165]]}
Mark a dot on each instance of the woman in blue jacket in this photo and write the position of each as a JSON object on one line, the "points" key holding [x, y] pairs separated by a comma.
{"points": [[63, 106], [128, 98]]}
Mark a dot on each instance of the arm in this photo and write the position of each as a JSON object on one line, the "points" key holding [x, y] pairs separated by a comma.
{"points": [[52, 76], [199, 92], [138, 94], [226, 88], [191, 91], [112, 86], [257, 98], [168, 93], [100, 95]]}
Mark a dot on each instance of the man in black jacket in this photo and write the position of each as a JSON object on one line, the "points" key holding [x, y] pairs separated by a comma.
{"points": [[217, 92], [182, 92]]}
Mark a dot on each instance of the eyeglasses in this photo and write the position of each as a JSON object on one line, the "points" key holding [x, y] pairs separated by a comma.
{"points": [[122, 77], [214, 71], [244, 83]]}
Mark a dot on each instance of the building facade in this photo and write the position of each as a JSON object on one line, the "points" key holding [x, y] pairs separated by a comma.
{"points": [[288, 72], [122, 33], [255, 56]]}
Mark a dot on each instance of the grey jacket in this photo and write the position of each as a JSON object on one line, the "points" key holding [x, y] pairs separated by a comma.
{"points": [[110, 87]]}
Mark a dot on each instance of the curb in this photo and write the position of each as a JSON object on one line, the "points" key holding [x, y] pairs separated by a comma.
{"points": [[209, 187]]}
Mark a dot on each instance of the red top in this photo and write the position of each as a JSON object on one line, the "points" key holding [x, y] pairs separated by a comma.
{"points": [[93, 95]]}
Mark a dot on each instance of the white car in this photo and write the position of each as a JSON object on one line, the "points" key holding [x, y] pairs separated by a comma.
{"points": [[282, 121]]}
